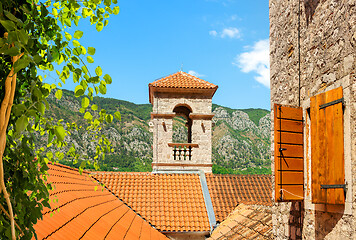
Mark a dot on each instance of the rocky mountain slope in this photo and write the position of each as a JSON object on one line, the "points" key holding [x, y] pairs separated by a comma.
{"points": [[240, 137]]}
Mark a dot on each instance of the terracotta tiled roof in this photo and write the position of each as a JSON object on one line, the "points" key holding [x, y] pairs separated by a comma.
{"points": [[170, 202], [81, 208], [182, 80], [227, 191], [246, 222]]}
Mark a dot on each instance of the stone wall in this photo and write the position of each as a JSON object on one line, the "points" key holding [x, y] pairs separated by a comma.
{"points": [[327, 57], [201, 131]]}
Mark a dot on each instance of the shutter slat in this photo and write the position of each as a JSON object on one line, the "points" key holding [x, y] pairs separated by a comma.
{"points": [[327, 147], [291, 113], [288, 135], [291, 177], [293, 151], [289, 126], [292, 164], [291, 138]]}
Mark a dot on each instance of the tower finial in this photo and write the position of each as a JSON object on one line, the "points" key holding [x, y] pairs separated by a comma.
{"points": [[181, 68]]}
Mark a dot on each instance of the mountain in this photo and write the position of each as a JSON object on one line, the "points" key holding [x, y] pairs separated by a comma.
{"points": [[241, 138]]}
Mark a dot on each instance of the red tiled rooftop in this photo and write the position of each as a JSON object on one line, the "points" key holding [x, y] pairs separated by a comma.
{"points": [[182, 80], [82, 209], [246, 222], [227, 191], [170, 202]]}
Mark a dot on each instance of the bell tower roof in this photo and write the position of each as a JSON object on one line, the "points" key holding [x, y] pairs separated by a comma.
{"points": [[182, 82]]}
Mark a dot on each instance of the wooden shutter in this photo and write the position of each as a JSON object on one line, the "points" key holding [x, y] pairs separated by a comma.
{"points": [[288, 153], [327, 147]]}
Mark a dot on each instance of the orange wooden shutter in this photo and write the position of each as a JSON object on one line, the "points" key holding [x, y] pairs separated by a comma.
{"points": [[327, 147], [288, 153]]}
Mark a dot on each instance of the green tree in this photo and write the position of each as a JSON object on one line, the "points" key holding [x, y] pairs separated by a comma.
{"points": [[37, 37]]}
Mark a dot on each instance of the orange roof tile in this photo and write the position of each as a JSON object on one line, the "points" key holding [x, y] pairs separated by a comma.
{"points": [[80, 211], [227, 191], [182, 80], [246, 222], [170, 202]]}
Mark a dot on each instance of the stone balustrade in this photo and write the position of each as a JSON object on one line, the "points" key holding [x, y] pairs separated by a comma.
{"points": [[182, 151]]}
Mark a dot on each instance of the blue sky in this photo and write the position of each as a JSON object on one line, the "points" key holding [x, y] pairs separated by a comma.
{"points": [[222, 41]]}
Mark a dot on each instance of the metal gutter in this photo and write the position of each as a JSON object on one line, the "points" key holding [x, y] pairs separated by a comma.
{"points": [[199, 233], [205, 190]]}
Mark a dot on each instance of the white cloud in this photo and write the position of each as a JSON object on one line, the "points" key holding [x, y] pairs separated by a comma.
{"points": [[213, 33], [230, 32], [256, 60], [194, 73], [233, 17]]}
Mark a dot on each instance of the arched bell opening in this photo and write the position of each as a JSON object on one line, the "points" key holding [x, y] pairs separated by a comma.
{"points": [[182, 124]]}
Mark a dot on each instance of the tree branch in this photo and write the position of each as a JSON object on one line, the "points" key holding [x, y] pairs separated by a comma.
{"points": [[5, 111]]}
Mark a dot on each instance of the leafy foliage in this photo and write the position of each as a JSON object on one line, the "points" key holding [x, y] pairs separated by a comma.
{"points": [[36, 38]]}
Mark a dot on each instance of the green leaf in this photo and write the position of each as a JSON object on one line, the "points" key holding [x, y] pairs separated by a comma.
{"points": [[83, 164], [68, 22], [60, 133], [68, 36], [11, 51], [54, 12], [88, 116], [78, 91], [107, 79], [21, 123], [76, 43], [23, 36], [102, 88], [85, 12], [21, 63], [50, 136], [106, 22], [109, 118], [99, 26], [85, 102], [107, 3], [117, 115], [90, 59], [59, 94], [8, 25], [91, 50], [114, 1], [10, 16], [84, 51], [41, 108], [77, 51], [116, 10], [98, 71], [78, 34], [49, 155], [94, 107]]}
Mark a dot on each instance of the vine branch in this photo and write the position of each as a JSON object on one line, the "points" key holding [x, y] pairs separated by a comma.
{"points": [[5, 111]]}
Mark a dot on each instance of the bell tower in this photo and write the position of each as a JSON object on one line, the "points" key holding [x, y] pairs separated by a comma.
{"points": [[186, 96]]}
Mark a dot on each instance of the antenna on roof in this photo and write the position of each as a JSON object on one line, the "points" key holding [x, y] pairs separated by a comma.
{"points": [[181, 68]]}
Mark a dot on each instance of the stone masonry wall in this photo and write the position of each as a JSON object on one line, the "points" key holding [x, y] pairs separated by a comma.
{"points": [[201, 130], [327, 61]]}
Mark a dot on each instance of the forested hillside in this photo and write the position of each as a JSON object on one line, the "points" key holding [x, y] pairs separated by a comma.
{"points": [[241, 138]]}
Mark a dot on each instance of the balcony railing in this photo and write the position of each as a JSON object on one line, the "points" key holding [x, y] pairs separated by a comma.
{"points": [[182, 151]]}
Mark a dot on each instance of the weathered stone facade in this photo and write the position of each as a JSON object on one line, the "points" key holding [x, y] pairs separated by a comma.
{"points": [[323, 59], [162, 128]]}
